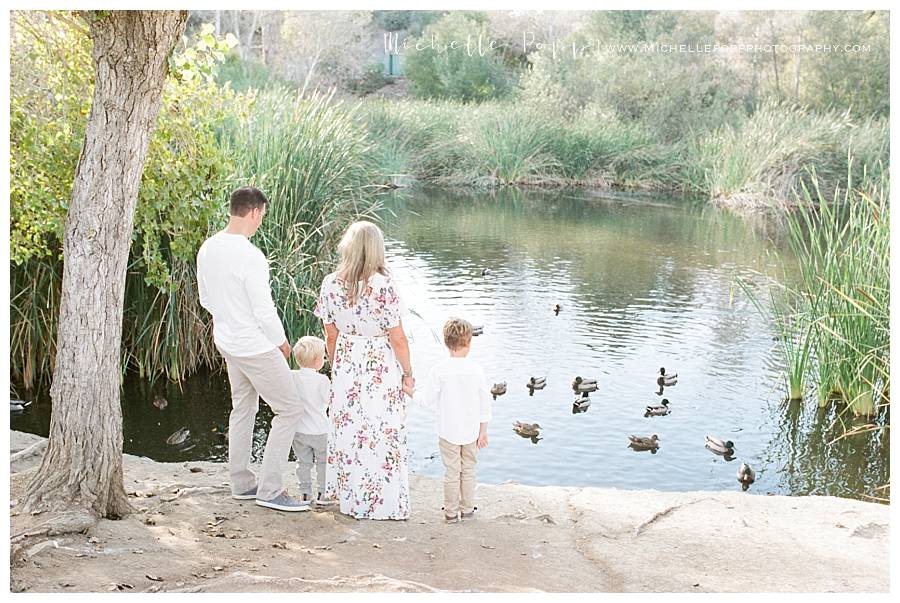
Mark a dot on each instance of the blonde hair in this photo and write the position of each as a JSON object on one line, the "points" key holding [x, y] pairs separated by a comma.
{"points": [[308, 349], [457, 333], [362, 255]]}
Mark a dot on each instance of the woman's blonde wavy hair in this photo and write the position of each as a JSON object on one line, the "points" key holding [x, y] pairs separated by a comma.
{"points": [[362, 254]]}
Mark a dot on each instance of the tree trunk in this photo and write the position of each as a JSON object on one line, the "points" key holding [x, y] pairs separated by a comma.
{"points": [[82, 468], [775, 58]]}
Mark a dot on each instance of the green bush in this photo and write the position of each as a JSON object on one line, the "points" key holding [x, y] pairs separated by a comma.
{"points": [[452, 73]]}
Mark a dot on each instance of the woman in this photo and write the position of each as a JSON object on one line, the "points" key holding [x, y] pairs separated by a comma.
{"points": [[369, 355]]}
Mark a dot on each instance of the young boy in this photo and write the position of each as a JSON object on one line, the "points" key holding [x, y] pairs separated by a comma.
{"points": [[310, 441], [458, 391]]}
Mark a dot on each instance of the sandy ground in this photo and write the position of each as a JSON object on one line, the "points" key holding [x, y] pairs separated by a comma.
{"points": [[188, 535]]}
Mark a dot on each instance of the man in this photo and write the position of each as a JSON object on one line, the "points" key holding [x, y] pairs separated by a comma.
{"points": [[233, 281]]}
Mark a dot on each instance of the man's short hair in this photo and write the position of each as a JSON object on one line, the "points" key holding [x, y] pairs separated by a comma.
{"points": [[457, 333], [245, 199]]}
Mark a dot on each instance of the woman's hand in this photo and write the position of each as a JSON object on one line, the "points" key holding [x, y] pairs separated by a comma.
{"points": [[408, 382]]}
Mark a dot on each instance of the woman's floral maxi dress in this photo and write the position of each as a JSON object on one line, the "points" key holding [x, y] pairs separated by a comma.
{"points": [[366, 469]]}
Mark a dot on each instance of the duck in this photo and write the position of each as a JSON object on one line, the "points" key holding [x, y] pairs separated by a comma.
{"points": [[486, 272], [179, 437], [581, 385], [19, 405], [720, 446], [160, 402], [746, 475], [499, 389], [644, 443], [527, 430], [477, 330], [536, 383], [557, 309], [220, 430], [581, 403], [666, 380], [659, 410]]}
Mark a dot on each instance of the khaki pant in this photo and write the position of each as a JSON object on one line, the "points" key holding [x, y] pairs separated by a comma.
{"points": [[310, 450], [267, 375], [459, 477]]}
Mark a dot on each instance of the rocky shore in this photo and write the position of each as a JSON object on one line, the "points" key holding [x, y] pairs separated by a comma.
{"points": [[188, 535]]}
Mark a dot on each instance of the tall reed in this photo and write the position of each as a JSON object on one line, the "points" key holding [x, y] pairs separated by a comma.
{"points": [[843, 247], [308, 154]]}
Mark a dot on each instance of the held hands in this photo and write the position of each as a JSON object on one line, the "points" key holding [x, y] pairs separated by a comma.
{"points": [[408, 384], [286, 350]]}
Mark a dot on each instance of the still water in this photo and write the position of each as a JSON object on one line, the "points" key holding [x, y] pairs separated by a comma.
{"points": [[643, 282]]}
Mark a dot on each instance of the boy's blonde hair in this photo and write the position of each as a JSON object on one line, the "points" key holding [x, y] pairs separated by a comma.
{"points": [[457, 333], [308, 350]]}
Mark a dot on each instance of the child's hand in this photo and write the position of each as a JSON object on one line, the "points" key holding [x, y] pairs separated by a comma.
{"points": [[482, 440]]}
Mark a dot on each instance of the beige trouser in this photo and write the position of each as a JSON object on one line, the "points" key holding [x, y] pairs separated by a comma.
{"points": [[267, 375], [459, 477]]}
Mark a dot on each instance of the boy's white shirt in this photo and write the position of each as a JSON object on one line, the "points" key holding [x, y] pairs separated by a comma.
{"points": [[457, 390], [314, 389]]}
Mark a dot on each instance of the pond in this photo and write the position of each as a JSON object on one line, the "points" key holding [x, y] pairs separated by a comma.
{"points": [[643, 282]]}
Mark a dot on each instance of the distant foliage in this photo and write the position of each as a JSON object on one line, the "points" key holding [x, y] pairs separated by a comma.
{"points": [[452, 73]]}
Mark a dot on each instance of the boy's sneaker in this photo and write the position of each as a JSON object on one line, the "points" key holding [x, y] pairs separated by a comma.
{"points": [[248, 495], [450, 518], [284, 502], [324, 503], [469, 515]]}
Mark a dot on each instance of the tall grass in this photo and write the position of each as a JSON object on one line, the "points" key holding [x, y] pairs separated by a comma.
{"points": [[760, 161], [843, 245], [834, 322], [309, 156], [769, 155], [34, 313]]}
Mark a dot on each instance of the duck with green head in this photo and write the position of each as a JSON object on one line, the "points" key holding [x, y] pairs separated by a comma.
{"points": [[719, 445], [660, 410]]}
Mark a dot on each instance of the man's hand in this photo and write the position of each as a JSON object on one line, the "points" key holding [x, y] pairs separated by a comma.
{"points": [[286, 350], [482, 440]]}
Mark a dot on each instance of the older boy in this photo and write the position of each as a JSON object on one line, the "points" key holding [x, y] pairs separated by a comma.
{"points": [[457, 389]]}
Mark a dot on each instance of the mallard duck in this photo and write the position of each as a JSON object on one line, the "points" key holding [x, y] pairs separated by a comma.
{"points": [[556, 309], [160, 402], [581, 403], [666, 380], [535, 383], [179, 437], [221, 431], [581, 385], [486, 271], [658, 411], [720, 446], [644, 443], [19, 405], [527, 430], [746, 475], [499, 389], [477, 330]]}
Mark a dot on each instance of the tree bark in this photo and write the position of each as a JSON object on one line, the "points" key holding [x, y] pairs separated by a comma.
{"points": [[82, 468]]}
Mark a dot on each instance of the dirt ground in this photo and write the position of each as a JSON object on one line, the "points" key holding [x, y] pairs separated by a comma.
{"points": [[189, 535]]}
